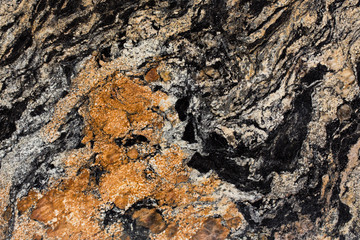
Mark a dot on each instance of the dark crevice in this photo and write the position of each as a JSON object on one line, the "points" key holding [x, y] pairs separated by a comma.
{"points": [[8, 118], [335, 5], [135, 139], [344, 214], [23, 42], [96, 173], [189, 133], [256, 6], [181, 107], [38, 110], [358, 72]]}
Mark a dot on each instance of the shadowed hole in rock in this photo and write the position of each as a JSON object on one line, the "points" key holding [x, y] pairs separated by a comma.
{"points": [[215, 142], [315, 74], [344, 214], [96, 173], [358, 71], [23, 42], [106, 53], [37, 111], [136, 139], [181, 107], [189, 133], [256, 6], [8, 117]]}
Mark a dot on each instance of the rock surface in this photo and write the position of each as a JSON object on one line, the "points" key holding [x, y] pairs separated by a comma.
{"points": [[203, 119]]}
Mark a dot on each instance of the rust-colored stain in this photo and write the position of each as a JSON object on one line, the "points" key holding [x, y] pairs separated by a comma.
{"points": [[151, 219], [27, 202], [152, 75], [211, 229], [124, 122]]}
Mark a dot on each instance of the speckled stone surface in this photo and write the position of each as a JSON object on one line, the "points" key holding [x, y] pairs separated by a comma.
{"points": [[203, 119]]}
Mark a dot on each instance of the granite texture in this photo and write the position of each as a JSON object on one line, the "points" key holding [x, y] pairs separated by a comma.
{"points": [[202, 119]]}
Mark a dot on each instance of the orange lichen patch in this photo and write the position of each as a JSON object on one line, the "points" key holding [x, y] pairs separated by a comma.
{"points": [[185, 193], [170, 197], [183, 205], [171, 230], [232, 217], [121, 105], [188, 220], [75, 159], [169, 164], [152, 75], [211, 229], [126, 185], [235, 222], [69, 211], [177, 205], [7, 214], [133, 153], [112, 156], [150, 219], [28, 229], [123, 129], [182, 177], [116, 123], [28, 201], [48, 207]]}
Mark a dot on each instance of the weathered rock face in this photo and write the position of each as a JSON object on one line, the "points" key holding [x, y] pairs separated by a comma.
{"points": [[201, 119]]}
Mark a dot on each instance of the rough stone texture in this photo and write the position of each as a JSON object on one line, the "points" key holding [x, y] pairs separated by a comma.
{"points": [[203, 119]]}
